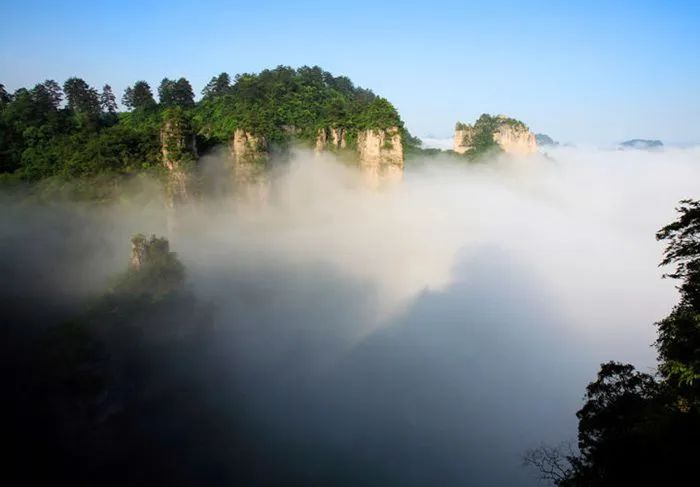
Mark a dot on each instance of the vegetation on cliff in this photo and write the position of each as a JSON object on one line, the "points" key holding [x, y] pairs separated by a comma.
{"points": [[480, 136], [107, 396], [635, 428], [77, 131]]}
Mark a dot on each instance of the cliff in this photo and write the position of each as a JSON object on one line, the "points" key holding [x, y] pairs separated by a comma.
{"points": [[515, 139], [334, 138], [250, 162], [488, 132], [463, 139], [380, 155], [379, 151], [178, 149], [247, 148]]}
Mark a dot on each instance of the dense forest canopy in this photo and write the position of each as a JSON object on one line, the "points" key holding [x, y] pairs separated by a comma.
{"points": [[76, 130]]}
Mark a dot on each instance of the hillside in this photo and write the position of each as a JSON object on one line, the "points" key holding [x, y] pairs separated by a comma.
{"points": [[77, 131]]}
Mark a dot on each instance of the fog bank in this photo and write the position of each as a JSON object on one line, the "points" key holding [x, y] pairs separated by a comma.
{"points": [[427, 333]]}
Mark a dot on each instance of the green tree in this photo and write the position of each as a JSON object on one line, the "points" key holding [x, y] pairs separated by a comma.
{"points": [[218, 86], [108, 101], [83, 101], [48, 95], [176, 93], [679, 334], [139, 96], [634, 429], [5, 97]]}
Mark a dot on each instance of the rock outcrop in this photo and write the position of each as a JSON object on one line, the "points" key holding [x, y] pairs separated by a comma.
{"points": [[247, 148], [145, 251], [463, 138], [510, 135], [334, 138], [250, 158], [178, 150], [380, 155], [515, 139]]}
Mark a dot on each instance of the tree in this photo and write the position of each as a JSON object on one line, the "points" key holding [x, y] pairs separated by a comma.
{"points": [[108, 101], [48, 94], [553, 463], [633, 429], [683, 249], [218, 86], [678, 343], [5, 97], [176, 93], [83, 101], [139, 96]]}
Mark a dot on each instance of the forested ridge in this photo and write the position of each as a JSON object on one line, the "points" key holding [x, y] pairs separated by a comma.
{"points": [[76, 130]]}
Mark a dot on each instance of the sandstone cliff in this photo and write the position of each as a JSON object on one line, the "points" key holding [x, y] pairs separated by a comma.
{"points": [[510, 135], [250, 157], [514, 139], [380, 155], [334, 138], [178, 150], [247, 148], [463, 139]]}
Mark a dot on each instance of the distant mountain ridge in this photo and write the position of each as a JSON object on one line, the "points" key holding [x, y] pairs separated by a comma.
{"points": [[544, 139], [642, 144]]}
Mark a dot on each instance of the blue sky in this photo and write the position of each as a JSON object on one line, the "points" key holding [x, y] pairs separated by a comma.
{"points": [[594, 71]]}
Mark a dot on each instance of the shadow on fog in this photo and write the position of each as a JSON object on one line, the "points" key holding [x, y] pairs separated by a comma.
{"points": [[451, 392]]}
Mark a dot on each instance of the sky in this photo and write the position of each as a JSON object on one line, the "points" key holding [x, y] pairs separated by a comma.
{"points": [[585, 72]]}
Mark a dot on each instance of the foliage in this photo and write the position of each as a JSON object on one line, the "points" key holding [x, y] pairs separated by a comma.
{"points": [[283, 101], [155, 271], [42, 138], [480, 136], [176, 93], [108, 102], [678, 342], [176, 136], [635, 429], [113, 386], [218, 86], [139, 96]]}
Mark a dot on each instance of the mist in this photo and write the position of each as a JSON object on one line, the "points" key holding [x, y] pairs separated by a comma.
{"points": [[425, 333]]}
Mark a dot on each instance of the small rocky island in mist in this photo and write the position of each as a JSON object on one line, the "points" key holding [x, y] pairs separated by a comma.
{"points": [[642, 144], [494, 133]]}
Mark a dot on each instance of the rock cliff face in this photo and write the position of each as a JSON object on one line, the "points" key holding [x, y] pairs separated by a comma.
{"points": [[178, 148], [250, 157], [516, 140], [463, 140], [380, 152], [334, 138], [247, 148], [512, 136], [145, 251], [380, 155]]}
